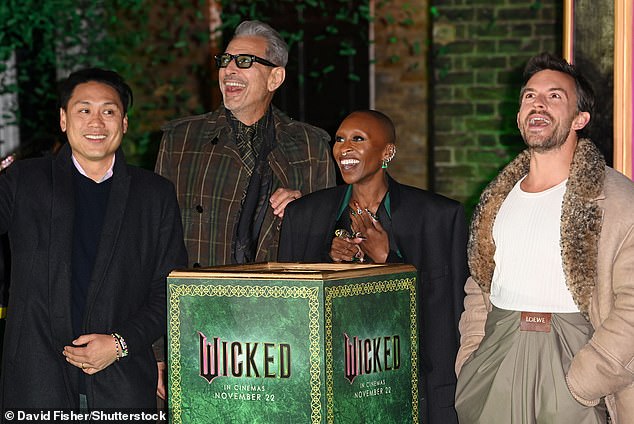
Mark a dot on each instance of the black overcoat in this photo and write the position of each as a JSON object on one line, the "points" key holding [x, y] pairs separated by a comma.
{"points": [[141, 243], [430, 232]]}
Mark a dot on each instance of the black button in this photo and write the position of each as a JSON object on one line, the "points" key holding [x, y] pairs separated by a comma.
{"points": [[199, 208]]}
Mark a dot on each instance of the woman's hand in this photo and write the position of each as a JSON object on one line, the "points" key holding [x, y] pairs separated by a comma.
{"points": [[345, 249], [375, 242]]}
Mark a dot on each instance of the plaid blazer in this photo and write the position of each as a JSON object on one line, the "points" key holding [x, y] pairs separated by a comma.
{"points": [[200, 156]]}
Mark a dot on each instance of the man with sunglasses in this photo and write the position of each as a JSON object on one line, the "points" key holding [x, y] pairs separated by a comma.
{"points": [[236, 169]]}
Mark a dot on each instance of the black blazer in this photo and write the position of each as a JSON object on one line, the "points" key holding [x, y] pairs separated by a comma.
{"points": [[431, 234], [141, 242]]}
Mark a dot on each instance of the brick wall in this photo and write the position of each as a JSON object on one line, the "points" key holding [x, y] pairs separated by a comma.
{"points": [[401, 81], [479, 48]]}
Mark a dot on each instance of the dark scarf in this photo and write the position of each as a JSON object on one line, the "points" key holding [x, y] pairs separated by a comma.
{"points": [[255, 201]]}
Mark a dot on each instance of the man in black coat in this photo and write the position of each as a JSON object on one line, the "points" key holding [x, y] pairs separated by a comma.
{"points": [[92, 241]]}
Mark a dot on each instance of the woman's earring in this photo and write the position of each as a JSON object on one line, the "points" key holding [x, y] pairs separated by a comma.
{"points": [[389, 158]]}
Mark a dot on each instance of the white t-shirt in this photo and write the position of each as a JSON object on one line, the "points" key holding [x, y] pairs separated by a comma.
{"points": [[528, 273]]}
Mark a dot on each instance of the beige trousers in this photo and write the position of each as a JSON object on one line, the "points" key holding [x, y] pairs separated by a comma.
{"points": [[518, 377]]}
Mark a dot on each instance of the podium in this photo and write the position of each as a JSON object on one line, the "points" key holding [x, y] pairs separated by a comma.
{"points": [[293, 343]]}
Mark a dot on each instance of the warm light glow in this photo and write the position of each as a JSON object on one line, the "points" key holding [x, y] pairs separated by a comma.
{"points": [[569, 31], [623, 96]]}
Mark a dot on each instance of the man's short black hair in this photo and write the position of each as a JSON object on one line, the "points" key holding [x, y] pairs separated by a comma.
{"points": [[104, 76]]}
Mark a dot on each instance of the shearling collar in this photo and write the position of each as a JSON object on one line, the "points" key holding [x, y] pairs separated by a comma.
{"points": [[581, 219]]}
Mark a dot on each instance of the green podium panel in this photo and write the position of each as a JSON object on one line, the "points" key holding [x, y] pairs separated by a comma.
{"points": [[293, 343]]}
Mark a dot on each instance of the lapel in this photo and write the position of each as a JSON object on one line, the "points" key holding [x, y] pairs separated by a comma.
{"points": [[400, 220], [328, 215], [60, 253], [217, 133], [115, 211], [217, 130], [288, 153], [60, 250], [283, 171], [481, 247], [581, 220]]}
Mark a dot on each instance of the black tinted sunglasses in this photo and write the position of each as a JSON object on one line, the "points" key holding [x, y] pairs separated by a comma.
{"points": [[243, 61]]}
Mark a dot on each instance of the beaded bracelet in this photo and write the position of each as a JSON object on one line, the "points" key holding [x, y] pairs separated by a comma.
{"points": [[116, 345], [122, 344]]}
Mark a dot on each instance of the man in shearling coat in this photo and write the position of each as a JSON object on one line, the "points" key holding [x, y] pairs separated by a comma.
{"points": [[92, 241], [547, 335]]}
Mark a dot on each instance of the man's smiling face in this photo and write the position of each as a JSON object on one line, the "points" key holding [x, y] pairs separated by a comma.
{"points": [[548, 110], [247, 92], [94, 123]]}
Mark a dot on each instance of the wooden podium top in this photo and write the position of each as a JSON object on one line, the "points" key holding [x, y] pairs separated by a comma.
{"points": [[292, 271]]}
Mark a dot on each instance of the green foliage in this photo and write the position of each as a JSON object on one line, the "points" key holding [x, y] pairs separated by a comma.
{"points": [[43, 37], [161, 48], [138, 39], [341, 15]]}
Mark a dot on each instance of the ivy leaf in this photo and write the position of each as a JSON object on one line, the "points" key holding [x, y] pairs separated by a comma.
{"points": [[328, 69], [347, 49], [416, 48], [341, 15]]}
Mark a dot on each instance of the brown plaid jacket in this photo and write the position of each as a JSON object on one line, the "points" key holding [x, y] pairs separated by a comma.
{"points": [[199, 155]]}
